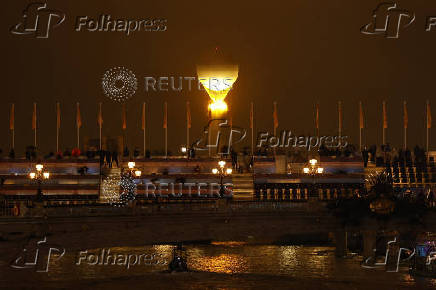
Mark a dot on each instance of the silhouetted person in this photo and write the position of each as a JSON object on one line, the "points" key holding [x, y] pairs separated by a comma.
{"points": [[108, 159], [115, 157], [101, 154], [12, 154], [126, 152], [365, 156]]}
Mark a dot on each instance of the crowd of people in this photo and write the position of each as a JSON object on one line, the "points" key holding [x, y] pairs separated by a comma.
{"points": [[386, 155]]}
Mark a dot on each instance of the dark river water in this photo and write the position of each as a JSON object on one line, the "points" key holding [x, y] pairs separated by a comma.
{"points": [[229, 265]]}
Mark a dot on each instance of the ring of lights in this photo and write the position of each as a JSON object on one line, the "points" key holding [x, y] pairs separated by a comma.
{"points": [[119, 84]]}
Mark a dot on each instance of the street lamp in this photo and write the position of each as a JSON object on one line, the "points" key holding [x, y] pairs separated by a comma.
{"points": [[39, 176], [133, 170], [313, 170], [185, 150], [222, 171]]}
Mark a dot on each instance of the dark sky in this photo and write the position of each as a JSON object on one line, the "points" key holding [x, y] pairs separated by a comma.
{"points": [[294, 52]]}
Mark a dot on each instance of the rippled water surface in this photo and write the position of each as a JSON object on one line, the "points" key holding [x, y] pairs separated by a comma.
{"points": [[230, 265]]}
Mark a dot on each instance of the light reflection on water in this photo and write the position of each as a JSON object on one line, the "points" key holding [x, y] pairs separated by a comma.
{"points": [[302, 262]]}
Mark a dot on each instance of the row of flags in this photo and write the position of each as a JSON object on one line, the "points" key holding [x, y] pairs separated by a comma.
{"points": [[188, 116], [361, 115]]}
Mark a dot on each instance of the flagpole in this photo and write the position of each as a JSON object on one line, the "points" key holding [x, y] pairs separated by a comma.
{"points": [[209, 117], [427, 125], [99, 133], [274, 125], [35, 120], [166, 129], [384, 123], [57, 127], [340, 119], [166, 142], [99, 124], [187, 124], [57, 139], [12, 125], [187, 134], [405, 138], [77, 125], [405, 125], [360, 125], [143, 126], [252, 128]]}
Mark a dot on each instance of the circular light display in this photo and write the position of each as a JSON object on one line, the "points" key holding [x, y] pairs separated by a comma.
{"points": [[119, 84]]}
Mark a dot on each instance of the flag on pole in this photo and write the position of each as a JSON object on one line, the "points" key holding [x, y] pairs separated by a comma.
{"points": [[58, 115], [317, 116], [275, 116], [143, 117], [428, 115], [78, 117], [405, 115], [12, 118], [251, 115], [100, 116], [385, 116], [34, 117], [165, 121], [123, 113], [188, 114], [340, 115]]}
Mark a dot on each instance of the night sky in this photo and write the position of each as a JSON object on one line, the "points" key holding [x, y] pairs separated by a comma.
{"points": [[294, 52]]}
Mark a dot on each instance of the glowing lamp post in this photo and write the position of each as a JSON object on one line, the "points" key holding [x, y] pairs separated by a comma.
{"points": [[222, 171], [313, 170], [133, 170], [39, 175], [185, 151]]}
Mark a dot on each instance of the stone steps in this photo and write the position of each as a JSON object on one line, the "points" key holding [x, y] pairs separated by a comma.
{"points": [[243, 186]]}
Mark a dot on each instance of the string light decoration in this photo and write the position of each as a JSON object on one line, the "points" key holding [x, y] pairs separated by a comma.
{"points": [[119, 84], [111, 190], [128, 188]]}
